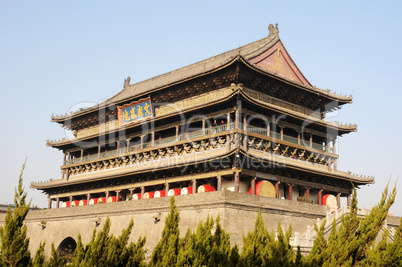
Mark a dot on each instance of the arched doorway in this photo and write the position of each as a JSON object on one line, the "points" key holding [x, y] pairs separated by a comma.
{"points": [[66, 249]]}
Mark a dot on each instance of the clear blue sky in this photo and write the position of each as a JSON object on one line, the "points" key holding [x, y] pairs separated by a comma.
{"points": [[57, 55]]}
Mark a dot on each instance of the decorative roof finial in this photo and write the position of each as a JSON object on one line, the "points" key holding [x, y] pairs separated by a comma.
{"points": [[127, 82], [273, 30]]}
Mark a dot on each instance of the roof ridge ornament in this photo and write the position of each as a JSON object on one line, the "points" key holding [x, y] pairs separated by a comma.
{"points": [[127, 82], [273, 31]]}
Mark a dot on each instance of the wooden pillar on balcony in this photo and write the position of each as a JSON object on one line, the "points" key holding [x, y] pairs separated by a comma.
{"points": [[307, 193], [131, 192], [194, 186], [237, 181], [245, 139], [228, 121], [277, 190], [107, 196], [71, 200], [298, 137], [281, 133], [320, 197], [166, 188], [177, 132], [349, 200], [338, 200], [117, 195], [290, 191], [329, 163], [252, 185], [311, 140], [128, 145], [334, 146], [49, 204], [142, 191], [57, 202], [153, 138], [219, 182], [99, 150], [142, 141], [88, 198], [203, 126], [269, 129]]}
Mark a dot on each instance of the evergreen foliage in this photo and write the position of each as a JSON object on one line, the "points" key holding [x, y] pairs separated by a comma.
{"points": [[261, 248], [350, 244], [166, 251], [55, 259], [13, 234], [205, 248], [108, 250], [39, 259]]}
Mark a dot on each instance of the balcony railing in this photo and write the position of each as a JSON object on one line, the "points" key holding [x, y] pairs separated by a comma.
{"points": [[195, 134]]}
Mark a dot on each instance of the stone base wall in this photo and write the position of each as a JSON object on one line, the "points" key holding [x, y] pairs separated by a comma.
{"points": [[237, 212]]}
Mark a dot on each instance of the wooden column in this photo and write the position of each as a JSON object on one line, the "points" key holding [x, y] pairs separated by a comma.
{"points": [[194, 186], [142, 191], [142, 141], [334, 146], [245, 129], [269, 129], [308, 193], [99, 151], [71, 200], [349, 200], [166, 188], [128, 145], [107, 196], [298, 138], [228, 121], [338, 200], [117, 195], [177, 133], [290, 191], [203, 126], [49, 204], [57, 202], [131, 192], [320, 197], [219, 182], [277, 190], [153, 138], [329, 163], [311, 140], [281, 133], [237, 182], [253, 186], [88, 198]]}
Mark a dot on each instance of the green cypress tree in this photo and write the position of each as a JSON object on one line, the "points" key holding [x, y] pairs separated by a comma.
{"points": [[204, 247], [108, 250], [166, 251], [79, 253], [350, 244], [134, 254], [255, 245], [55, 259], [13, 234], [39, 259], [315, 257]]}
